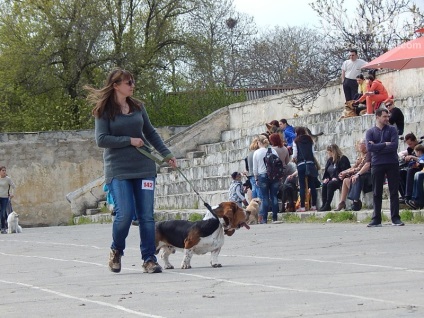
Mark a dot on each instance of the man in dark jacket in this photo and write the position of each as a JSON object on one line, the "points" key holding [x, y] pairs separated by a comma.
{"points": [[382, 143], [396, 116]]}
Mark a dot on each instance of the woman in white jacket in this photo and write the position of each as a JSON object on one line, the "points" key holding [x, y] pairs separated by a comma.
{"points": [[268, 189]]}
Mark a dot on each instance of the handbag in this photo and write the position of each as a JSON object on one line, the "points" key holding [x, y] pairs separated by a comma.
{"points": [[310, 167]]}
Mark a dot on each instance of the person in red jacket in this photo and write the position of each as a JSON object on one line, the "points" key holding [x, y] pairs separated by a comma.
{"points": [[376, 92]]}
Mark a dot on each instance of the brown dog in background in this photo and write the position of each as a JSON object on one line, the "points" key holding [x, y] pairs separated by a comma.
{"points": [[252, 211], [349, 110]]}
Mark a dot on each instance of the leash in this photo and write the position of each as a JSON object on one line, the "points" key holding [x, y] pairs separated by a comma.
{"points": [[160, 160]]}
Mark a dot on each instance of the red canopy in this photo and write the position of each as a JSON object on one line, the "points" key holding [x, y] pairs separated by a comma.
{"points": [[407, 55]]}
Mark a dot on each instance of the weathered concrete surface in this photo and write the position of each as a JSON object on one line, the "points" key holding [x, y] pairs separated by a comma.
{"points": [[276, 270]]}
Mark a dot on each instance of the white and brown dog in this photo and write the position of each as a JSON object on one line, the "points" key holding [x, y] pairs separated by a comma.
{"points": [[252, 211], [12, 223], [199, 237]]}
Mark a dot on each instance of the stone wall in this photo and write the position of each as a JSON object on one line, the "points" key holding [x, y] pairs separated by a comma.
{"points": [[402, 84], [46, 166]]}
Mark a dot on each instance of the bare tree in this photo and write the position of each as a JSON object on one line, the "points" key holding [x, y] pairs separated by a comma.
{"points": [[291, 58], [374, 27], [217, 39]]}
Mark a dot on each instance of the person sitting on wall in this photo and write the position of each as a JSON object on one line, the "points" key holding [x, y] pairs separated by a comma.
{"points": [[346, 175], [288, 189], [336, 163], [396, 115], [362, 89], [376, 93], [417, 200], [360, 182], [407, 169]]}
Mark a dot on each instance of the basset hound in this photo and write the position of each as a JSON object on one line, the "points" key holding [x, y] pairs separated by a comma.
{"points": [[199, 237]]}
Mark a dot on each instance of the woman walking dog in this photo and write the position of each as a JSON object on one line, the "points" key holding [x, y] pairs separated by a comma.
{"points": [[121, 126]]}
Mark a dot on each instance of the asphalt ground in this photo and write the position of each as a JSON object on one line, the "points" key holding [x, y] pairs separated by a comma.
{"points": [[273, 270]]}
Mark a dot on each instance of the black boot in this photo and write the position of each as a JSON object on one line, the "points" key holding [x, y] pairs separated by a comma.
{"points": [[357, 205], [325, 207]]}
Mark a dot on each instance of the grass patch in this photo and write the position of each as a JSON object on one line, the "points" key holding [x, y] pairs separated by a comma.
{"points": [[410, 217], [195, 217], [83, 220], [384, 218], [407, 215], [313, 218], [291, 218], [418, 218], [343, 216]]}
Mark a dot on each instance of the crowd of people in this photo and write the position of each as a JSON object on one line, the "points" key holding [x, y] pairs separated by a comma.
{"points": [[377, 162]]}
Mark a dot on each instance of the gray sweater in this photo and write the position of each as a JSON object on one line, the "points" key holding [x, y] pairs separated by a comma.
{"points": [[121, 160]]}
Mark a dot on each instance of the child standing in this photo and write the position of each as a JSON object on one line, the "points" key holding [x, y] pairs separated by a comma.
{"points": [[235, 193]]}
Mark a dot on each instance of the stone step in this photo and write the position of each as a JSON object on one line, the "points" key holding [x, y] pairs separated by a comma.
{"points": [[92, 211], [188, 214]]}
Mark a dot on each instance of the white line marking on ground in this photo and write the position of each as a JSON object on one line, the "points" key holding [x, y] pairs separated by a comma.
{"points": [[235, 282], [101, 303], [55, 243], [325, 261]]}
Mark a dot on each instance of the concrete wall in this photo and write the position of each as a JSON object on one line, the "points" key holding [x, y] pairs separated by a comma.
{"points": [[401, 84], [46, 166]]}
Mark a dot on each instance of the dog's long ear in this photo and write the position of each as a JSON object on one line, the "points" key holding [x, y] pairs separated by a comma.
{"points": [[229, 232], [225, 207]]}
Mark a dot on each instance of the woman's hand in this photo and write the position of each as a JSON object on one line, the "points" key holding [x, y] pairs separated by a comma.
{"points": [[325, 180], [173, 162], [137, 142]]}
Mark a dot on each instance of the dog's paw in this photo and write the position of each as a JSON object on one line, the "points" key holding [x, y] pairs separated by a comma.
{"points": [[185, 266], [216, 265], [168, 266]]}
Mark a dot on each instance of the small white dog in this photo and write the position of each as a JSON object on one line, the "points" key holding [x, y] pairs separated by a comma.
{"points": [[12, 223]]}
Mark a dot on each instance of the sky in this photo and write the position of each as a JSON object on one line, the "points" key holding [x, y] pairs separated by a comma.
{"points": [[269, 13]]}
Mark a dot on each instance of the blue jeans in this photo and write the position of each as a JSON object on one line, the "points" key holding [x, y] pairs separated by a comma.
{"points": [[418, 192], [134, 196], [269, 191], [254, 187], [3, 205]]}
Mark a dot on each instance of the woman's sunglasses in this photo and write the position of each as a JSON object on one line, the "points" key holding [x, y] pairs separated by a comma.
{"points": [[130, 83]]}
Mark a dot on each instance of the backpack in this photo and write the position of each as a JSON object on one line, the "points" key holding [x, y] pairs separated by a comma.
{"points": [[274, 166]]}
